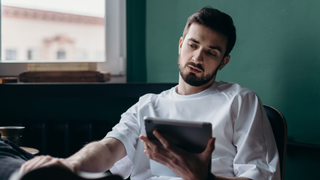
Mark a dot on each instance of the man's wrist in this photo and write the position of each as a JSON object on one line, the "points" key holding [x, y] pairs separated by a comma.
{"points": [[210, 176]]}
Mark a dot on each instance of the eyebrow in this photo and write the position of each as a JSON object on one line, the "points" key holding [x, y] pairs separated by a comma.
{"points": [[211, 47]]}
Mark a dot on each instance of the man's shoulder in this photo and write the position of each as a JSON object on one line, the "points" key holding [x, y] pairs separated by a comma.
{"points": [[151, 97], [234, 89]]}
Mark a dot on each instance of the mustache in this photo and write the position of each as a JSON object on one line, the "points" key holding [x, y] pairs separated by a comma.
{"points": [[195, 65]]}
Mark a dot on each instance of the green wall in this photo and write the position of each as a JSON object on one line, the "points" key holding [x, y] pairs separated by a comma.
{"points": [[136, 50], [276, 55]]}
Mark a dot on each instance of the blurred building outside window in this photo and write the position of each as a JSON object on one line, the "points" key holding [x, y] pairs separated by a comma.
{"points": [[45, 31], [87, 31], [34, 24]]}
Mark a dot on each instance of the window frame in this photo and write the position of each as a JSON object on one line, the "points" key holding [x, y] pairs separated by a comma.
{"points": [[115, 45]]}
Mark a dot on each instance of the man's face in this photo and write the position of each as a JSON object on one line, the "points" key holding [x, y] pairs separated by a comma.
{"points": [[201, 55]]}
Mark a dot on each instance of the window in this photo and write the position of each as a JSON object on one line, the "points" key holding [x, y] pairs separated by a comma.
{"points": [[61, 54], [52, 25], [11, 54], [81, 55], [33, 54], [44, 14]]}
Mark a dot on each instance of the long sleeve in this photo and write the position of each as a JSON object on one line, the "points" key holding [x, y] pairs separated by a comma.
{"points": [[257, 155]]}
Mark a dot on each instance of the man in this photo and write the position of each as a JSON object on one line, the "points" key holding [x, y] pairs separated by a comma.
{"points": [[242, 146]]}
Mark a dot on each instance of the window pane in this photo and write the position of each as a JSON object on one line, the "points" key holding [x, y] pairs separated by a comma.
{"points": [[33, 54], [52, 29], [11, 54], [61, 54]]}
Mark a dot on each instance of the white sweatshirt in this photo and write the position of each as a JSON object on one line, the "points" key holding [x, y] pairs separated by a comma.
{"points": [[244, 146]]}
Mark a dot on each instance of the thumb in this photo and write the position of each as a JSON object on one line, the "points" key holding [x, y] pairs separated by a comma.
{"points": [[210, 146]]}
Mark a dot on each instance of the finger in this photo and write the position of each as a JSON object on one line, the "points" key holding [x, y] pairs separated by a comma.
{"points": [[55, 162], [155, 152], [165, 143], [142, 136], [148, 142], [210, 147], [156, 157], [43, 161], [145, 145], [34, 163], [153, 146]]}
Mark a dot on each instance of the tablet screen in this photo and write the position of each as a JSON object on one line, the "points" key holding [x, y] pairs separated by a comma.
{"points": [[188, 135]]}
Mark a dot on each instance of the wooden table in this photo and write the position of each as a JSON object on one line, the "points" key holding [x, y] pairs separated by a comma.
{"points": [[30, 150]]}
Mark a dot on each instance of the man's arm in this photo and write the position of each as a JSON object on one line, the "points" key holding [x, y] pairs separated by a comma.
{"points": [[97, 156], [186, 165]]}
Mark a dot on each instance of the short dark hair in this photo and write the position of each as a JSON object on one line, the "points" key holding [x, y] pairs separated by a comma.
{"points": [[216, 21]]}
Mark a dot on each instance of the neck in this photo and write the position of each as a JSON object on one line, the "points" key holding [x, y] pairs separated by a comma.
{"points": [[186, 89]]}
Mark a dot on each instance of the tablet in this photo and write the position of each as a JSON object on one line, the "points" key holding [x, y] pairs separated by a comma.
{"points": [[188, 135]]}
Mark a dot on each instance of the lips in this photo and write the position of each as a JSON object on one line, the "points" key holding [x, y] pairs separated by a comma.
{"points": [[193, 69]]}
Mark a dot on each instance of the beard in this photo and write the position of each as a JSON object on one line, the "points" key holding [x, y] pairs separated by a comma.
{"points": [[191, 78]]}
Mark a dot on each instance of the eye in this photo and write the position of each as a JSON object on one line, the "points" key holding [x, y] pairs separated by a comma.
{"points": [[192, 46], [211, 53]]}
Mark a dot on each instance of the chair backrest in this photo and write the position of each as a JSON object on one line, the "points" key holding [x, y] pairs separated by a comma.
{"points": [[279, 128]]}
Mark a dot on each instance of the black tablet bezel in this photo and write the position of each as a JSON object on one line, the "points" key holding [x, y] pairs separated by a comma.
{"points": [[188, 135]]}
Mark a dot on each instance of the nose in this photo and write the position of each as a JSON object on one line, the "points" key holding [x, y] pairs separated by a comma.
{"points": [[198, 56]]}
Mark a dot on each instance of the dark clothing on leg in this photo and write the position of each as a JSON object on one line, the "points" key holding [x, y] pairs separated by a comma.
{"points": [[11, 158]]}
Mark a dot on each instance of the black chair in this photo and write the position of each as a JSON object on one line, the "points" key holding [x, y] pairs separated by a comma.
{"points": [[279, 128]]}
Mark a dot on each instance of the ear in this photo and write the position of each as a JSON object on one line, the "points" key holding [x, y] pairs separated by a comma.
{"points": [[225, 61], [180, 44]]}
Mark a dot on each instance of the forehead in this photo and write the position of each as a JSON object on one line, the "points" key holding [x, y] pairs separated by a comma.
{"points": [[206, 36]]}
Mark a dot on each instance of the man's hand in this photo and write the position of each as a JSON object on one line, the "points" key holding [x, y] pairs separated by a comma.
{"points": [[186, 165], [97, 156], [46, 161]]}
